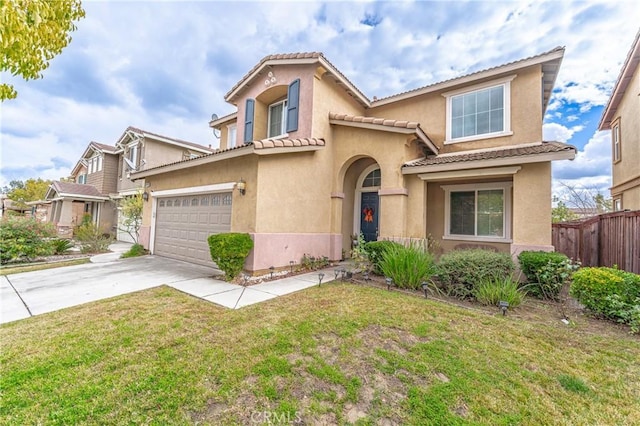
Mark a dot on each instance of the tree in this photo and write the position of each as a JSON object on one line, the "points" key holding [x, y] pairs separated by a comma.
{"points": [[33, 32], [561, 213], [584, 200], [131, 210], [29, 190]]}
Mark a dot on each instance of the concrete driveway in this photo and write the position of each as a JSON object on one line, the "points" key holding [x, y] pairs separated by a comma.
{"points": [[32, 293]]}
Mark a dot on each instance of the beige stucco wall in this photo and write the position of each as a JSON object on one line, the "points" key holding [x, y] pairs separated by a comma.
{"points": [[430, 111], [626, 172], [532, 205]]}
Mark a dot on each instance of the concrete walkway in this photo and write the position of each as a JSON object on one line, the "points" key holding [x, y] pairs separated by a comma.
{"points": [[32, 293]]}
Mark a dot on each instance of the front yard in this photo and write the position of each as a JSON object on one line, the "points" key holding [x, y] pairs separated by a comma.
{"points": [[335, 354]]}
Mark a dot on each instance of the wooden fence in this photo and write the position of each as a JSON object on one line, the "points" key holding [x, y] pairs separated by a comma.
{"points": [[605, 240]]}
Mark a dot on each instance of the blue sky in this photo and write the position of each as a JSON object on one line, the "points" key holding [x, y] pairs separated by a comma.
{"points": [[165, 67]]}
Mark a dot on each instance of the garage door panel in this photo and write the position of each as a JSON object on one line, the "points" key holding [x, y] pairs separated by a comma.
{"points": [[183, 225]]}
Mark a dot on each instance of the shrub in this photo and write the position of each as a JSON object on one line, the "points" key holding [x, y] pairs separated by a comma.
{"points": [[610, 293], [493, 290], [22, 237], [408, 266], [375, 251], [546, 272], [61, 245], [134, 251], [460, 271], [313, 263], [91, 238], [229, 251]]}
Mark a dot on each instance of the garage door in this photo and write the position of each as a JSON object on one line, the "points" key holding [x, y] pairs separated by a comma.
{"points": [[184, 223]]}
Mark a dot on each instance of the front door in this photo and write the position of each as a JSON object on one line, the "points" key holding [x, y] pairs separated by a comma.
{"points": [[369, 216]]}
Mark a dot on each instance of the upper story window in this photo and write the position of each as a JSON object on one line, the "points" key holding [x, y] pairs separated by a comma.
{"points": [[617, 204], [277, 119], [232, 133], [94, 164], [479, 112], [615, 139], [81, 178], [478, 212], [131, 157]]}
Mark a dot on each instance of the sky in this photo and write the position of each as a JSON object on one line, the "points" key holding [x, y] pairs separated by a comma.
{"points": [[165, 66]]}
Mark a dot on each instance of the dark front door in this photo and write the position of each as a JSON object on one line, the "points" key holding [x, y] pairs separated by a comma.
{"points": [[369, 216]]}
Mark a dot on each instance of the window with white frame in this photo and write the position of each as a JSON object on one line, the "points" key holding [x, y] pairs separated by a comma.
{"points": [[277, 119], [94, 164], [232, 133], [480, 212], [617, 204], [615, 138], [481, 111], [81, 178]]}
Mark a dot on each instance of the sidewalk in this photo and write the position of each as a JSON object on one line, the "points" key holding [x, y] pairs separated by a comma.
{"points": [[235, 296]]}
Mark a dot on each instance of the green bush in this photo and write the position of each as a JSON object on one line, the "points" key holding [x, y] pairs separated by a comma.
{"points": [[24, 238], [134, 251], [610, 293], [408, 266], [375, 251], [460, 271], [493, 290], [91, 238], [61, 245], [229, 251], [546, 272]]}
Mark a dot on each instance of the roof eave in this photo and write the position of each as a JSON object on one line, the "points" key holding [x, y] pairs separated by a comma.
{"points": [[569, 154], [554, 55]]}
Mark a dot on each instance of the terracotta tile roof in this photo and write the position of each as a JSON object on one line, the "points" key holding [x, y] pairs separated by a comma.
{"points": [[301, 55], [78, 189], [514, 151], [379, 100], [180, 141], [287, 143], [374, 120]]}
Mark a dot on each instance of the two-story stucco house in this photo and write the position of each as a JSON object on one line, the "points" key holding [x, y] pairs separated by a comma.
{"points": [[622, 117], [307, 161], [102, 177]]}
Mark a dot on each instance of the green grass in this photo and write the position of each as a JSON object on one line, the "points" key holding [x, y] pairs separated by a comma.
{"points": [[8, 270], [334, 354]]}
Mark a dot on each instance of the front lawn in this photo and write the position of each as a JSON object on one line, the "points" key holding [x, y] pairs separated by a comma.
{"points": [[335, 354]]}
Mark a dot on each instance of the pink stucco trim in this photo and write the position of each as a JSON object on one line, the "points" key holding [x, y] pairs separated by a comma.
{"points": [[337, 195], [144, 236], [279, 249], [393, 191]]}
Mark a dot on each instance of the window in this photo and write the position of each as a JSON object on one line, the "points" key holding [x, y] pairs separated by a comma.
{"points": [[277, 119], [479, 113], [615, 138], [81, 178], [94, 164], [478, 212], [617, 205], [133, 154], [232, 132], [372, 179]]}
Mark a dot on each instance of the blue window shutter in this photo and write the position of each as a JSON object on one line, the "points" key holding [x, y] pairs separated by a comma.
{"points": [[293, 101], [248, 120]]}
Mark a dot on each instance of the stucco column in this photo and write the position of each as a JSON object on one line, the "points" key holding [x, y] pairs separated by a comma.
{"points": [[66, 213], [531, 212], [335, 248], [393, 212]]}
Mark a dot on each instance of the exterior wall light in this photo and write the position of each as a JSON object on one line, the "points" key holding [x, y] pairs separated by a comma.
{"points": [[145, 196], [241, 186]]}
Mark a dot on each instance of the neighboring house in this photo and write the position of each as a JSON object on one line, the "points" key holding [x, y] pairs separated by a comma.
{"points": [[622, 117], [101, 179], [9, 207], [308, 161]]}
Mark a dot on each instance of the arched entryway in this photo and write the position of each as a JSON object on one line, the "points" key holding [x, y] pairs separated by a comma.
{"points": [[367, 203]]}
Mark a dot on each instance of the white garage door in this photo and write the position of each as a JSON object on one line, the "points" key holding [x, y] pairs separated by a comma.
{"points": [[184, 223]]}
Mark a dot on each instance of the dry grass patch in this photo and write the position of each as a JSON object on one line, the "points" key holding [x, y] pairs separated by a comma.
{"points": [[335, 354]]}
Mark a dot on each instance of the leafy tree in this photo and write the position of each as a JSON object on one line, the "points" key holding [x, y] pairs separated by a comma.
{"points": [[29, 190], [33, 32], [561, 213], [131, 209]]}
